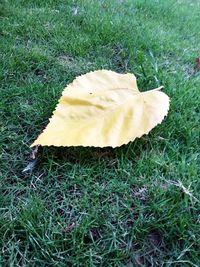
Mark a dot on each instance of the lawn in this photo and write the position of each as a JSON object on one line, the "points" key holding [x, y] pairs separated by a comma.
{"points": [[136, 205]]}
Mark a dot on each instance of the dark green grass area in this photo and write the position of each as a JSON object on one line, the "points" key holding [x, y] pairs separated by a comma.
{"points": [[137, 205]]}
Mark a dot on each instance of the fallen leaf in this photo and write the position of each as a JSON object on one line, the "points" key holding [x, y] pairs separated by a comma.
{"points": [[103, 108]]}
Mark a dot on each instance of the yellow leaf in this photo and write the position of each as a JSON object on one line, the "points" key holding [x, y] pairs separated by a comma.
{"points": [[103, 108]]}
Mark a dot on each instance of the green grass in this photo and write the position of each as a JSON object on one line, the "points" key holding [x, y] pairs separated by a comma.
{"points": [[137, 205]]}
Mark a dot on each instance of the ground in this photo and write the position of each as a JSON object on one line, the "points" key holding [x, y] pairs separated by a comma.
{"points": [[137, 205]]}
